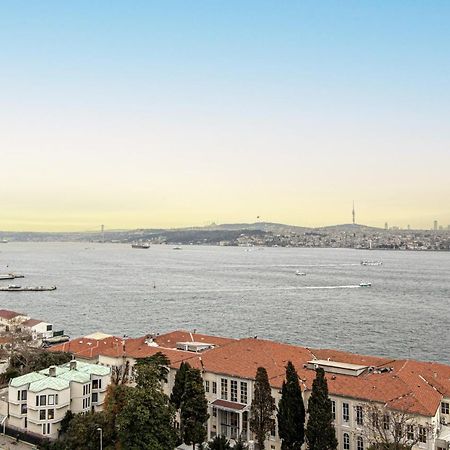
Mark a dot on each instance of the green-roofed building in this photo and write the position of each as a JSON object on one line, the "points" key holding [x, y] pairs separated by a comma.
{"points": [[38, 401]]}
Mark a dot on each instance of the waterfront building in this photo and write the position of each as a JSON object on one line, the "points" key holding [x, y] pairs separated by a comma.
{"points": [[38, 401], [228, 366], [10, 319]]}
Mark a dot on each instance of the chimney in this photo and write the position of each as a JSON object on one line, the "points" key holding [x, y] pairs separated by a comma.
{"points": [[73, 365], [52, 371]]}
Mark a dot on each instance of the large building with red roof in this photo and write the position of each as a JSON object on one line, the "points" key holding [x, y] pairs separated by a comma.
{"points": [[422, 389]]}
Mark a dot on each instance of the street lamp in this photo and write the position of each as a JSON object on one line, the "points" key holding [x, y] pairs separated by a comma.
{"points": [[101, 437]]}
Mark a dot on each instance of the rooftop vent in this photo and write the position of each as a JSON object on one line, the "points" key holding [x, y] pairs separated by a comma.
{"points": [[52, 371], [337, 367], [73, 365], [195, 347]]}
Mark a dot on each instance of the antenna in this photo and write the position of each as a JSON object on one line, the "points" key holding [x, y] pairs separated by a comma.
{"points": [[353, 212]]}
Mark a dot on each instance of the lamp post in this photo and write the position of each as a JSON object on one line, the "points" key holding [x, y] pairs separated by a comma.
{"points": [[101, 437]]}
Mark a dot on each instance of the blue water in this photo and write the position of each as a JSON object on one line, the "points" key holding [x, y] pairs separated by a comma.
{"points": [[234, 292]]}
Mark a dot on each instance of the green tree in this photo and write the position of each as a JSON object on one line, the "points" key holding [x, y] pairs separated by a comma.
{"points": [[83, 434], [262, 408], [320, 432], [158, 360], [145, 421], [194, 409], [291, 412], [240, 444], [179, 385], [219, 443]]}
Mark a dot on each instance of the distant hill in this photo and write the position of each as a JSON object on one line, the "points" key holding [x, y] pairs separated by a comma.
{"points": [[349, 227]]}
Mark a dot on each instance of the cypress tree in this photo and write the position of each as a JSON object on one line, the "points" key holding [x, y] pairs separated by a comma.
{"points": [[262, 408], [179, 385], [194, 409], [291, 412], [320, 432]]}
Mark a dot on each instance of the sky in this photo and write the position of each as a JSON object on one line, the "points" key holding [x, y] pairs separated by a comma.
{"points": [[178, 113]]}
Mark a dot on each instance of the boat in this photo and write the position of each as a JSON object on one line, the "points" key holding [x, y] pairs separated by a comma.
{"points": [[17, 288], [10, 276], [48, 342], [300, 273], [177, 248], [365, 284], [3, 241], [140, 245], [371, 263]]}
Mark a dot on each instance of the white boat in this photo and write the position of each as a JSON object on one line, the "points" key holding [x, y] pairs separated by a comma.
{"points": [[365, 284], [300, 273], [140, 245], [371, 263]]}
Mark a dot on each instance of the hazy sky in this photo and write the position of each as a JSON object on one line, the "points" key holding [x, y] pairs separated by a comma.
{"points": [[173, 113]]}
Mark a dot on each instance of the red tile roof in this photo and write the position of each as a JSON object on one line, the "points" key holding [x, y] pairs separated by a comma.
{"points": [[403, 384], [31, 323], [169, 340], [8, 315]]}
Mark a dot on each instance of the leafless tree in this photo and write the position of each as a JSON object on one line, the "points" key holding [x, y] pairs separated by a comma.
{"points": [[120, 374], [391, 429]]}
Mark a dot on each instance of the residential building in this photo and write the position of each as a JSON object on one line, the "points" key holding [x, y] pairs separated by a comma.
{"points": [[38, 328], [38, 401], [11, 319], [228, 366]]}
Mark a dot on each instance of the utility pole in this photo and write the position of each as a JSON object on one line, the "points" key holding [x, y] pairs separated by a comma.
{"points": [[353, 212]]}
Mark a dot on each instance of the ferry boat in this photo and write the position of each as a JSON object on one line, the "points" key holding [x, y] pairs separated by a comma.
{"points": [[140, 245], [17, 288], [371, 263], [365, 284]]}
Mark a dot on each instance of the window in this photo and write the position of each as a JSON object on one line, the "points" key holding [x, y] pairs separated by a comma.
{"points": [[42, 414], [214, 411], [345, 412], [44, 429], [375, 419], [94, 397], [410, 432], [51, 399], [346, 441], [37, 400], [48, 428], [42, 400], [233, 390], [56, 399], [50, 414], [245, 421], [25, 423], [24, 395], [359, 415], [359, 443], [445, 407], [214, 387], [18, 395], [224, 388], [206, 386], [422, 435], [23, 408], [49, 328], [94, 384], [273, 430], [333, 409], [244, 396], [386, 422]]}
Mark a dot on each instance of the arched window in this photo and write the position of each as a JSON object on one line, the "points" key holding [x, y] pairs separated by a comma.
{"points": [[346, 441], [359, 443]]}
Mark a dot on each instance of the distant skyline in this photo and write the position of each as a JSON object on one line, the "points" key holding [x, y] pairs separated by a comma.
{"points": [[150, 114]]}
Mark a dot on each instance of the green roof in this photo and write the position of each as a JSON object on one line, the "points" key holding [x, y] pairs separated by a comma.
{"points": [[75, 375], [27, 378], [91, 369], [42, 380], [54, 383]]}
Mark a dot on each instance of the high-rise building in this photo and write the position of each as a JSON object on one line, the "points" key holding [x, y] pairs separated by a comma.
{"points": [[386, 226], [435, 225]]}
